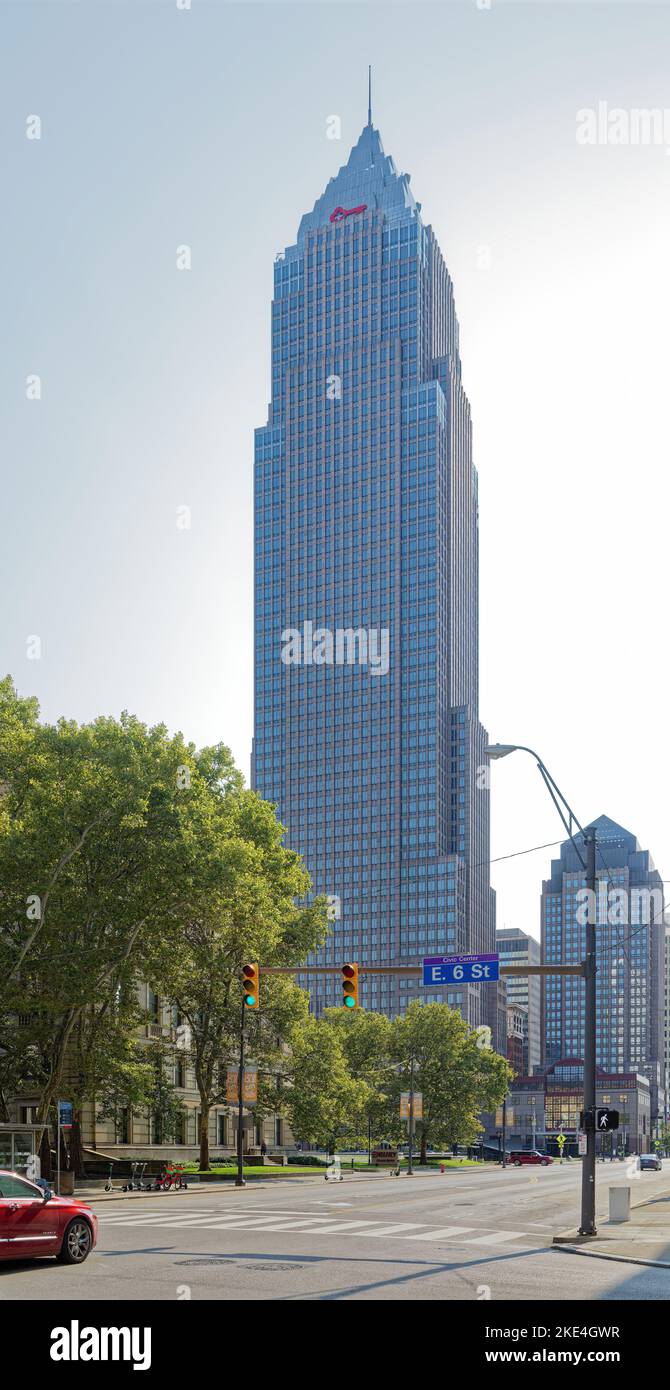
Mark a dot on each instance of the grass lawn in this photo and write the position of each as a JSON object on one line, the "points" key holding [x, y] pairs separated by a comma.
{"points": [[256, 1170], [432, 1163], [229, 1170]]}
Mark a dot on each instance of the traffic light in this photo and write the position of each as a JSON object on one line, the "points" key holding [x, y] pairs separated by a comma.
{"points": [[350, 986], [250, 985]]}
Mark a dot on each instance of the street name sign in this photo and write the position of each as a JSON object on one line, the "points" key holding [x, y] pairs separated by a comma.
{"points": [[458, 970], [65, 1114]]}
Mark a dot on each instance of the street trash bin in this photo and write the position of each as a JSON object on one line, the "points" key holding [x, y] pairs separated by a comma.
{"points": [[619, 1204]]}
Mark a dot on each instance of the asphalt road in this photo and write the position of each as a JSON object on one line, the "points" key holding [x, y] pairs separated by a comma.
{"points": [[462, 1235]]}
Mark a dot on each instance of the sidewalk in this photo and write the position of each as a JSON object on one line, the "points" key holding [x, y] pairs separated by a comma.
{"points": [[645, 1239], [280, 1175], [98, 1194]]}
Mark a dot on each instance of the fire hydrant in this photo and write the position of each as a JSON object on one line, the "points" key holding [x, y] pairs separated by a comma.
{"points": [[441, 1167]]}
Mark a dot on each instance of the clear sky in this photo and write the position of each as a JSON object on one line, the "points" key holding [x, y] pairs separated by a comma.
{"points": [[207, 127]]}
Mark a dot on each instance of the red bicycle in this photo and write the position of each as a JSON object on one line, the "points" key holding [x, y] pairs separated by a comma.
{"points": [[172, 1177]]}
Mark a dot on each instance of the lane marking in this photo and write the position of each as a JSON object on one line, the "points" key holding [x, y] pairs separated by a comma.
{"points": [[343, 1226], [397, 1227], [292, 1225], [443, 1232], [495, 1238], [325, 1225]]}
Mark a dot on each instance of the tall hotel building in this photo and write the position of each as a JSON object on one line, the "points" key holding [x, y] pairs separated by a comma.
{"points": [[367, 734]]}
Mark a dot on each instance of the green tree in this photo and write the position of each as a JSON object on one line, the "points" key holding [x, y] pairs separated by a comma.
{"points": [[455, 1075], [91, 819], [244, 891], [367, 1042], [123, 851], [322, 1097]]}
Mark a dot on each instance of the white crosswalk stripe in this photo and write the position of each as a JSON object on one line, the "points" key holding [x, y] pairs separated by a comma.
{"points": [[442, 1233], [394, 1229], [325, 1225], [494, 1238]]}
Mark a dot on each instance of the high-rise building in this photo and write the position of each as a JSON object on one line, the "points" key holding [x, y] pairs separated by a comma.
{"points": [[666, 1011], [525, 991], [517, 1038], [630, 943], [367, 734]]}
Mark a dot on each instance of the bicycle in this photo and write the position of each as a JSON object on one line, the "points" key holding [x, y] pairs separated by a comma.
{"points": [[171, 1177]]}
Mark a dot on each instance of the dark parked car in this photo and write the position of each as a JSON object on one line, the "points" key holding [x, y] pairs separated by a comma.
{"points": [[651, 1161]]}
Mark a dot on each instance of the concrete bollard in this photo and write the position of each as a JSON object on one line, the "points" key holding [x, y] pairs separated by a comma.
{"points": [[619, 1203]]}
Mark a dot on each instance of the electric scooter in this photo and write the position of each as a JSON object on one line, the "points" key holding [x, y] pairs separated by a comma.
{"points": [[135, 1183]]}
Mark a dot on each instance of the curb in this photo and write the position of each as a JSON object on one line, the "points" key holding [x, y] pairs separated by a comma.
{"points": [[572, 1240], [227, 1184], [603, 1255]]}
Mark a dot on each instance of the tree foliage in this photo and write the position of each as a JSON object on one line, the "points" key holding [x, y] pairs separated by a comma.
{"points": [[126, 855]]}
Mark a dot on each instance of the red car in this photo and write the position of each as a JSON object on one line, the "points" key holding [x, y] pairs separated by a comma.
{"points": [[531, 1156], [33, 1222]]}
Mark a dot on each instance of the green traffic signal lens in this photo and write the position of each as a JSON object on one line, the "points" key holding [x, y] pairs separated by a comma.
{"points": [[250, 1000], [349, 1002]]}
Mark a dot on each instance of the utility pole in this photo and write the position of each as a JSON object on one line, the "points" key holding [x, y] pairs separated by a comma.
{"points": [[410, 1166], [240, 1180], [588, 1223], [504, 1133]]}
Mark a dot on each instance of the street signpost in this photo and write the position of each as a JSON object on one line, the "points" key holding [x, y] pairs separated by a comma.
{"points": [[581, 1144], [64, 1112], [458, 970]]}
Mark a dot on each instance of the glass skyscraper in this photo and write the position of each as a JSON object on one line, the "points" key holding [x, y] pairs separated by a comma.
{"points": [[630, 942], [367, 734]]}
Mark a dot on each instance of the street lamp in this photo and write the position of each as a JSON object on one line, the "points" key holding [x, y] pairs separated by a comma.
{"points": [[501, 750]]}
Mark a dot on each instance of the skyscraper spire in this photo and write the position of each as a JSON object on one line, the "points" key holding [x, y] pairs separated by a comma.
{"points": [[369, 94]]}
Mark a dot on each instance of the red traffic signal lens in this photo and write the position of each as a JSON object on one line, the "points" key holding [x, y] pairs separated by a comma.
{"points": [[249, 971], [348, 971]]}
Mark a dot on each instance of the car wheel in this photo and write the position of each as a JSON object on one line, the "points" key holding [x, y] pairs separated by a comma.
{"points": [[77, 1243], [517, 1163], [544, 1163]]}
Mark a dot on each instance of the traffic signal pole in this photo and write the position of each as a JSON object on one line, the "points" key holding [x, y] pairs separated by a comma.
{"points": [[410, 1155], [240, 1180], [588, 1223]]}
